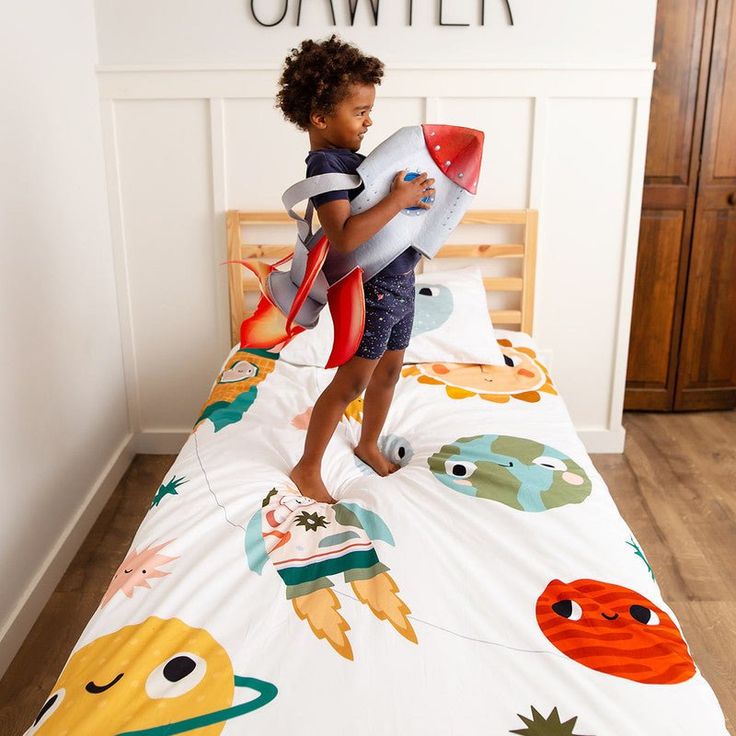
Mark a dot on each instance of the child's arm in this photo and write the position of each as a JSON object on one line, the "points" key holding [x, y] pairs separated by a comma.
{"points": [[346, 232]]}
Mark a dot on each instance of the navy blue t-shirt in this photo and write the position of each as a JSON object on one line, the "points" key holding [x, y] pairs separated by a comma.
{"points": [[345, 161]]}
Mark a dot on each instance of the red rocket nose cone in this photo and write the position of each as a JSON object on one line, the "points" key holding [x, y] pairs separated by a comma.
{"points": [[457, 151]]}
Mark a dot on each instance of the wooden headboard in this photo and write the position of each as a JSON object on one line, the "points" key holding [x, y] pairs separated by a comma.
{"points": [[242, 230]]}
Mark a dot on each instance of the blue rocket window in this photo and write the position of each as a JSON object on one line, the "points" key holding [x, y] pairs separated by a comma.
{"points": [[415, 210]]}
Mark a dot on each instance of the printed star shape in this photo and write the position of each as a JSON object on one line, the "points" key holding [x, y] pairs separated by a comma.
{"points": [[538, 725], [311, 522]]}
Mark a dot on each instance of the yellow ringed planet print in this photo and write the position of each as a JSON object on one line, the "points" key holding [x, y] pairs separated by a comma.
{"points": [[156, 678]]}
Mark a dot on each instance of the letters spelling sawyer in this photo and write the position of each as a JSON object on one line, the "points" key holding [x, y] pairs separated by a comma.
{"points": [[352, 6]]}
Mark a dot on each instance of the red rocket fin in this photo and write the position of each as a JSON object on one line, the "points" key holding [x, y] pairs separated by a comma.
{"points": [[266, 327], [346, 300], [260, 269], [249, 264], [315, 259]]}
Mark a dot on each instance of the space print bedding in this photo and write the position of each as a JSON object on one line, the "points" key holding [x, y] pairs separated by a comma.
{"points": [[489, 586]]}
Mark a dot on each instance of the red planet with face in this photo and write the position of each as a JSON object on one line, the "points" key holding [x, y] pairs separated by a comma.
{"points": [[614, 630]]}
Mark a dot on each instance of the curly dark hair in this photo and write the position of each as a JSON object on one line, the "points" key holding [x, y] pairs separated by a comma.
{"points": [[317, 75]]}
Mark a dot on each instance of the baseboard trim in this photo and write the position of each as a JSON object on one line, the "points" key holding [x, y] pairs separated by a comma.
{"points": [[160, 442], [603, 441], [15, 629]]}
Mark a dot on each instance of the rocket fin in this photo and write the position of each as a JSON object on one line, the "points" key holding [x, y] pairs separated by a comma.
{"points": [[346, 300], [260, 269], [315, 259], [266, 327]]}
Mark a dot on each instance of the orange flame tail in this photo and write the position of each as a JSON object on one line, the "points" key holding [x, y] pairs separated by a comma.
{"points": [[320, 608], [380, 594]]}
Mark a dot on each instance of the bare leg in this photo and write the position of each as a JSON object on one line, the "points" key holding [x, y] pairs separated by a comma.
{"points": [[378, 396], [349, 382]]}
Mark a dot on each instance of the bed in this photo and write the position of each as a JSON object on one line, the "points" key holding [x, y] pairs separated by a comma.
{"points": [[489, 586]]}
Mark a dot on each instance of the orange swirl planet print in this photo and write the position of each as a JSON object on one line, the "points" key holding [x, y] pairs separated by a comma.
{"points": [[614, 630]]}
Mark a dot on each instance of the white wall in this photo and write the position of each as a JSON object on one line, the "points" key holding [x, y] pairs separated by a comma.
{"points": [[224, 32], [191, 131], [64, 434]]}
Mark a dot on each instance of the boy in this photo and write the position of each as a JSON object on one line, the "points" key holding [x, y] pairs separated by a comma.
{"points": [[327, 89]]}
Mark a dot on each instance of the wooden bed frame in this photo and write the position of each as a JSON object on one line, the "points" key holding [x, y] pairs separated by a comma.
{"points": [[241, 282]]}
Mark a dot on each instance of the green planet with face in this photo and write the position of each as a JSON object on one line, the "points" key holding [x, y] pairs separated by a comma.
{"points": [[518, 472]]}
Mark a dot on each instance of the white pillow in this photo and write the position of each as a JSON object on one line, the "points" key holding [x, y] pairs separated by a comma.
{"points": [[451, 324], [451, 320]]}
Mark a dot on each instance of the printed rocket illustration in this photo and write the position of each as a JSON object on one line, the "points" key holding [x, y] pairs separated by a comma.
{"points": [[292, 300], [308, 542]]}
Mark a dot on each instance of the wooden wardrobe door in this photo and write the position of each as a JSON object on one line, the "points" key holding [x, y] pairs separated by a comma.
{"points": [[707, 365], [681, 51]]}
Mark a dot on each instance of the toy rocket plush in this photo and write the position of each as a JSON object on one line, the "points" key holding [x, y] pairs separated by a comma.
{"points": [[291, 300]]}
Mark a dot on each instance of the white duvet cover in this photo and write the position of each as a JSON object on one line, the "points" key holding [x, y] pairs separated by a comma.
{"points": [[490, 586]]}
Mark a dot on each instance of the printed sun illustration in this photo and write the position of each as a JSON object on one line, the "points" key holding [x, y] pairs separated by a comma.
{"points": [[136, 569], [538, 725], [523, 377]]}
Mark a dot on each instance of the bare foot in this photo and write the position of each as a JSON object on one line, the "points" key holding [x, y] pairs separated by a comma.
{"points": [[371, 455], [309, 482]]}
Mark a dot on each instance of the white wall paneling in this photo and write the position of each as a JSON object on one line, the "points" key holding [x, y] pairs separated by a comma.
{"points": [[122, 279], [186, 144]]}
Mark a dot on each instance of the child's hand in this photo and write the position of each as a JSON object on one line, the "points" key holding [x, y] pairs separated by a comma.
{"points": [[410, 193]]}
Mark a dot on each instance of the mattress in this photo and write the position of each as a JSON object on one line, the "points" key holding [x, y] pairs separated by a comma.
{"points": [[489, 586]]}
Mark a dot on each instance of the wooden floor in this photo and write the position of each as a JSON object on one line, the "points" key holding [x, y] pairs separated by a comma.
{"points": [[674, 486]]}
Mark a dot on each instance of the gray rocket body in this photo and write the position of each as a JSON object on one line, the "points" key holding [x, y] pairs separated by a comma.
{"points": [[426, 230]]}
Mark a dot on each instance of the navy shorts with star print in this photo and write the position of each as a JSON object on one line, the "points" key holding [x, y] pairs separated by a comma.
{"points": [[389, 314]]}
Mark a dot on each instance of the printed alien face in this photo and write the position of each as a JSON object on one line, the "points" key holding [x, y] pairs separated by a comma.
{"points": [[515, 471], [614, 630], [292, 503], [278, 506], [136, 570], [239, 372], [433, 305], [140, 677], [237, 388]]}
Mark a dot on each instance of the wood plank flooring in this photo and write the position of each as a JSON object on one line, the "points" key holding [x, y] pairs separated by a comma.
{"points": [[675, 486]]}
